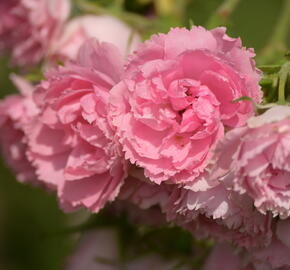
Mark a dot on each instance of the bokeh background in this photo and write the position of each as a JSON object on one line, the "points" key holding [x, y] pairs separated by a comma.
{"points": [[34, 233]]}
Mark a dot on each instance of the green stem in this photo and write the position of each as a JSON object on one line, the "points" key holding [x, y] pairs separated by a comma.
{"points": [[222, 14], [88, 7], [283, 76], [282, 26], [277, 43]]}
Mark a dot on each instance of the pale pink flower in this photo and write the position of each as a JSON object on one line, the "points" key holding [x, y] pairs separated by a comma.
{"points": [[29, 27], [176, 98], [72, 143], [144, 193], [104, 28], [98, 250], [215, 212], [143, 201], [207, 208], [15, 112], [273, 256], [259, 157], [220, 213]]}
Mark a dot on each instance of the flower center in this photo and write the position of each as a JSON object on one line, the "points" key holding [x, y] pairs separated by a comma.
{"points": [[193, 103]]}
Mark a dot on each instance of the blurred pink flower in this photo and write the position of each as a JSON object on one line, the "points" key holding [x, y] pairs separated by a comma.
{"points": [[276, 255], [259, 156], [225, 257], [143, 201], [104, 28], [98, 250], [72, 143], [15, 112], [29, 27], [215, 212], [176, 98], [8, 22]]}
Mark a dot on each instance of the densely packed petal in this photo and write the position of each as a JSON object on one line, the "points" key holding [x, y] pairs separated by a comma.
{"points": [[177, 97], [71, 142], [220, 213], [259, 156]]}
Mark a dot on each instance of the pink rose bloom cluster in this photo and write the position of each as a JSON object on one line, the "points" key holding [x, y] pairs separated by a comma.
{"points": [[161, 130]]}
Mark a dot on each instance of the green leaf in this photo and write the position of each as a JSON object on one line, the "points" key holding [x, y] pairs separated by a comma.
{"points": [[191, 23]]}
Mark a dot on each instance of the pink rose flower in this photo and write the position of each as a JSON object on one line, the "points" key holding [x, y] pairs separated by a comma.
{"points": [[71, 143], [15, 112], [259, 156], [104, 28], [176, 98], [29, 27]]}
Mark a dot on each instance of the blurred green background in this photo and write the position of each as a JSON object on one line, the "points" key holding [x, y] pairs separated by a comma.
{"points": [[30, 220]]}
